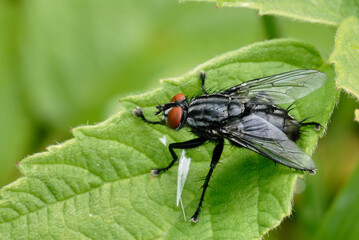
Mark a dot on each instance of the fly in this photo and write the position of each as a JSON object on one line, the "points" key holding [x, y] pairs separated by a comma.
{"points": [[247, 115]]}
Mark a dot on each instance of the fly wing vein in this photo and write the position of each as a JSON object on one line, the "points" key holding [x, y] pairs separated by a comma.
{"points": [[281, 88]]}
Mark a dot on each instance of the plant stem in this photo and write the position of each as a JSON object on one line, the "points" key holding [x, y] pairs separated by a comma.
{"points": [[270, 27]]}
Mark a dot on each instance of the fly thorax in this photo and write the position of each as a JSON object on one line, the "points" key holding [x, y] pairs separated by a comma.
{"points": [[212, 110], [235, 108]]}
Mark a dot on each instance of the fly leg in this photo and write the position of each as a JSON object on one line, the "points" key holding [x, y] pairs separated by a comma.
{"points": [[316, 125], [138, 112], [202, 76], [182, 145], [215, 158]]}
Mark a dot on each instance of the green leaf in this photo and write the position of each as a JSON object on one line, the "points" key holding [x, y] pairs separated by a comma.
{"points": [[98, 185], [356, 115], [341, 220], [346, 56], [331, 12]]}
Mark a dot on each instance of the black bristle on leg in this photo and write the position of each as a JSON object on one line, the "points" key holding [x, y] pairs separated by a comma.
{"points": [[290, 107]]}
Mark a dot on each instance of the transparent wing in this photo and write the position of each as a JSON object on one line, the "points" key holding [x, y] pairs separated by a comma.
{"points": [[258, 135], [281, 88]]}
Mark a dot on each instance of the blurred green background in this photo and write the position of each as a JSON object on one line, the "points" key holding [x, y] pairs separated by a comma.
{"points": [[67, 63]]}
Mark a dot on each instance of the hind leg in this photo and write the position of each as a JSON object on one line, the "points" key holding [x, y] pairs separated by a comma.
{"points": [[316, 125]]}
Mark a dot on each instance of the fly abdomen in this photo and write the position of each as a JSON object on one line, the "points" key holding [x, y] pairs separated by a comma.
{"points": [[279, 118]]}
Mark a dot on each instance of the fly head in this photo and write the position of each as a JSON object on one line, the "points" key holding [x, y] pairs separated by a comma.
{"points": [[174, 112]]}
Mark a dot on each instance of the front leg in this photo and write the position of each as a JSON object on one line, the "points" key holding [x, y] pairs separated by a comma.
{"points": [[182, 145], [215, 159], [138, 112]]}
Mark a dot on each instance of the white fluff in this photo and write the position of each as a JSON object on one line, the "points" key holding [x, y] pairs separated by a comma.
{"points": [[183, 169], [163, 140]]}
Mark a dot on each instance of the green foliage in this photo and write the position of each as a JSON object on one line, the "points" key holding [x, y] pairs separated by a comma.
{"points": [[330, 12], [341, 221], [13, 121], [356, 118], [346, 56], [98, 184]]}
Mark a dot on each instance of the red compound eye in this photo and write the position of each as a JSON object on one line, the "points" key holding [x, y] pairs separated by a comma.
{"points": [[178, 97], [174, 117]]}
